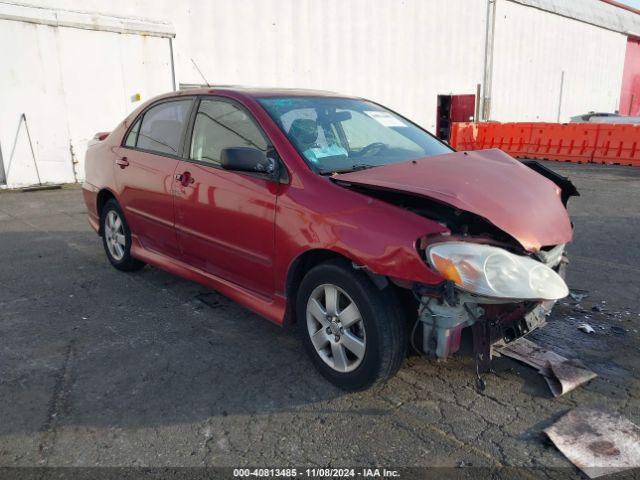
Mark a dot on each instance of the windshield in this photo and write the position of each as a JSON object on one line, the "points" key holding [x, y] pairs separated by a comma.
{"points": [[342, 134]]}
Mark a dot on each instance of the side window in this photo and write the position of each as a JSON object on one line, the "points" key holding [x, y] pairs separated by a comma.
{"points": [[221, 125], [162, 127], [132, 138]]}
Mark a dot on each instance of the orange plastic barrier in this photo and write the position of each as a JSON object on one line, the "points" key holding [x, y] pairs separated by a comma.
{"points": [[455, 134], [487, 133], [471, 136], [572, 142], [618, 144], [543, 141], [463, 136], [579, 143], [484, 136], [513, 138]]}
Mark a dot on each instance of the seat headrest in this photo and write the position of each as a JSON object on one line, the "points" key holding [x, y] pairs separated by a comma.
{"points": [[304, 131]]}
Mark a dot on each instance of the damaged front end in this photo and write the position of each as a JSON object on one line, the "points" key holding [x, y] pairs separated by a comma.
{"points": [[446, 310], [503, 258]]}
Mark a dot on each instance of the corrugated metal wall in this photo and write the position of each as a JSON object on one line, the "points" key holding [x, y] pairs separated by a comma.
{"points": [[69, 83], [533, 48], [402, 53], [398, 52], [594, 12]]}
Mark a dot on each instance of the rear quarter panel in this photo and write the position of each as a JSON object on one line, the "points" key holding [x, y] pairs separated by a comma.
{"points": [[99, 165]]}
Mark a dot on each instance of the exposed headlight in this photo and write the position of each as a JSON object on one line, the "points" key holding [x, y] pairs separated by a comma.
{"points": [[494, 272]]}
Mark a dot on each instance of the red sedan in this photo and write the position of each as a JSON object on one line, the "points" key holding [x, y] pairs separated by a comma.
{"points": [[338, 214]]}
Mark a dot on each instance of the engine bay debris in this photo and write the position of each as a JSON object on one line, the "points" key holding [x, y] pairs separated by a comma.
{"points": [[561, 374]]}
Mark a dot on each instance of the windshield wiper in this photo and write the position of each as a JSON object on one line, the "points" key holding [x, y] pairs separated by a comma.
{"points": [[352, 168]]}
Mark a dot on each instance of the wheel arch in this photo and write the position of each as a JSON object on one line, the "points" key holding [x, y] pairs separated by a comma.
{"points": [[305, 262], [102, 198]]}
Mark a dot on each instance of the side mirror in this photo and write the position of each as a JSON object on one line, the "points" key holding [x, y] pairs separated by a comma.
{"points": [[246, 159]]}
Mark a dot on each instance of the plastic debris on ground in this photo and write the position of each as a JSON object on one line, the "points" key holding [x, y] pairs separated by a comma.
{"points": [[578, 295], [596, 441], [586, 328], [561, 374]]}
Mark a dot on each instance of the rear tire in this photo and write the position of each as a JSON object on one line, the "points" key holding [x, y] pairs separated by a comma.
{"points": [[116, 238], [354, 333]]}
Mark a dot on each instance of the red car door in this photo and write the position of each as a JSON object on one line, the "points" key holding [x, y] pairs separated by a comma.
{"points": [[225, 220], [146, 166]]}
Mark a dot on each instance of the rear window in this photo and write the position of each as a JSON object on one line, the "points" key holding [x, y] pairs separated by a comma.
{"points": [[162, 127]]}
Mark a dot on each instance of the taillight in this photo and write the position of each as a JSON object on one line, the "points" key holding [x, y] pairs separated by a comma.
{"points": [[100, 136]]}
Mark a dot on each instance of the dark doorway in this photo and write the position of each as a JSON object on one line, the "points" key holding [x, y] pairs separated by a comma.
{"points": [[453, 108]]}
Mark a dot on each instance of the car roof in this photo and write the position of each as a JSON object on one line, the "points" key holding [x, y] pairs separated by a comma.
{"points": [[258, 92]]}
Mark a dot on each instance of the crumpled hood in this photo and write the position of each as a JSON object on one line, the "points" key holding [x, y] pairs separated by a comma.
{"points": [[488, 183]]}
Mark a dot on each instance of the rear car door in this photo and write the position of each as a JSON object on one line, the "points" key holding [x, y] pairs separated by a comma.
{"points": [[225, 220], [147, 163]]}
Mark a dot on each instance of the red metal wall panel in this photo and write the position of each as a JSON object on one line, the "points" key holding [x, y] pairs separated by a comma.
{"points": [[630, 93], [462, 108]]}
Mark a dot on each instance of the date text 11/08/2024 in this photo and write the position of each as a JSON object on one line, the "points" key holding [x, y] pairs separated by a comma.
{"points": [[317, 472]]}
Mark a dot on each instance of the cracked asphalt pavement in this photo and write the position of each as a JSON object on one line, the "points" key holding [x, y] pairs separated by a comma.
{"points": [[100, 367]]}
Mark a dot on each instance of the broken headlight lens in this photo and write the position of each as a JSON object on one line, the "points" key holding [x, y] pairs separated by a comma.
{"points": [[495, 272]]}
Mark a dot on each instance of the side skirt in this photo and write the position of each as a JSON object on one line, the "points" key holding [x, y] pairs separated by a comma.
{"points": [[273, 309]]}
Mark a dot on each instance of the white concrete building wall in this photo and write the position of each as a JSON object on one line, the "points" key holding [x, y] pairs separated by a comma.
{"points": [[533, 47], [99, 89], [69, 83], [397, 52], [75, 74], [31, 83]]}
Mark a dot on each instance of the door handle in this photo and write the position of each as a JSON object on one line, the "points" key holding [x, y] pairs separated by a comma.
{"points": [[184, 178], [123, 162]]}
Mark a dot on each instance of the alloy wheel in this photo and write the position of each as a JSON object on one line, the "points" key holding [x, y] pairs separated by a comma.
{"points": [[114, 235], [336, 328]]}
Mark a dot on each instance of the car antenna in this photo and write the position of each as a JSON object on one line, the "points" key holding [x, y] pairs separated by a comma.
{"points": [[200, 72]]}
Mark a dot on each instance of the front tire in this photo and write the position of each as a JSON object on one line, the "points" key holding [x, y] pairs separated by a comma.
{"points": [[116, 238], [354, 333]]}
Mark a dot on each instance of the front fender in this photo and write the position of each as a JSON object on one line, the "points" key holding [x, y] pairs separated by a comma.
{"points": [[371, 233]]}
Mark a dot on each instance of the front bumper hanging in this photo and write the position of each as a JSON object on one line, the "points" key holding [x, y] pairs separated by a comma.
{"points": [[444, 314]]}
